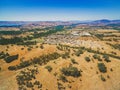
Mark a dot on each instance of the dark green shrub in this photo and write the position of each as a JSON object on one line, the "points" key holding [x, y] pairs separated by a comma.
{"points": [[87, 59], [63, 78], [102, 68], [49, 68], [73, 61], [66, 55], [12, 68], [60, 86], [95, 56], [102, 78], [106, 58], [29, 49], [77, 53]]}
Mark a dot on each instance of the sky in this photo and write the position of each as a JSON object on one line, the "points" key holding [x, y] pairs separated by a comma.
{"points": [[54, 10]]}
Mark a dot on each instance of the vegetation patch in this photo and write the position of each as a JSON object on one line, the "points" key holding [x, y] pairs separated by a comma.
{"points": [[63, 78], [73, 61], [102, 68], [71, 71], [42, 60], [77, 53], [87, 59], [106, 58], [9, 59], [49, 68], [25, 79]]}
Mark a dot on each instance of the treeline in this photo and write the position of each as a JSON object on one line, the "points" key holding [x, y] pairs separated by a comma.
{"points": [[15, 40], [97, 52], [10, 32], [100, 36]]}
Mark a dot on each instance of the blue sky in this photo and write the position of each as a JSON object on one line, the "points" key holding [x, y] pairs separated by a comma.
{"points": [[47, 10]]}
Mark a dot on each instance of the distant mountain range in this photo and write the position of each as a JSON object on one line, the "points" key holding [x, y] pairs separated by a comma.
{"points": [[54, 23], [105, 21]]}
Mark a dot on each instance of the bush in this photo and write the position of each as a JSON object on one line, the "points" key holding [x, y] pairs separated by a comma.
{"points": [[29, 49], [95, 56], [49, 68], [102, 78], [12, 68], [22, 48], [87, 59], [60, 86], [77, 53], [63, 78], [41, 46], [71, 71], [106, 57], [73, 61], [66, 55], [102, 67]]}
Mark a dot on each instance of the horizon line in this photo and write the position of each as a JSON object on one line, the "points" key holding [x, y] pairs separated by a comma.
{"points": [[54, 20]]}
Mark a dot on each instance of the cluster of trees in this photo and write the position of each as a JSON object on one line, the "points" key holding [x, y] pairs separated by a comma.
{"points": [[100, 36], [22, 64], [8, 58], [63, 47], [10, 32], [98, 52], [116, 46], [11, 58], [25, 77], [15, 40], [71, 71], [27, 43]]}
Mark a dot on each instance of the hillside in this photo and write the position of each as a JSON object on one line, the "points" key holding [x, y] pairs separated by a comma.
{"points": [[60, 59]]}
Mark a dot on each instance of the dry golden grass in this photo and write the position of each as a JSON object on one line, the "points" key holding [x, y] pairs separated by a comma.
{"points": [[90, 79]]}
